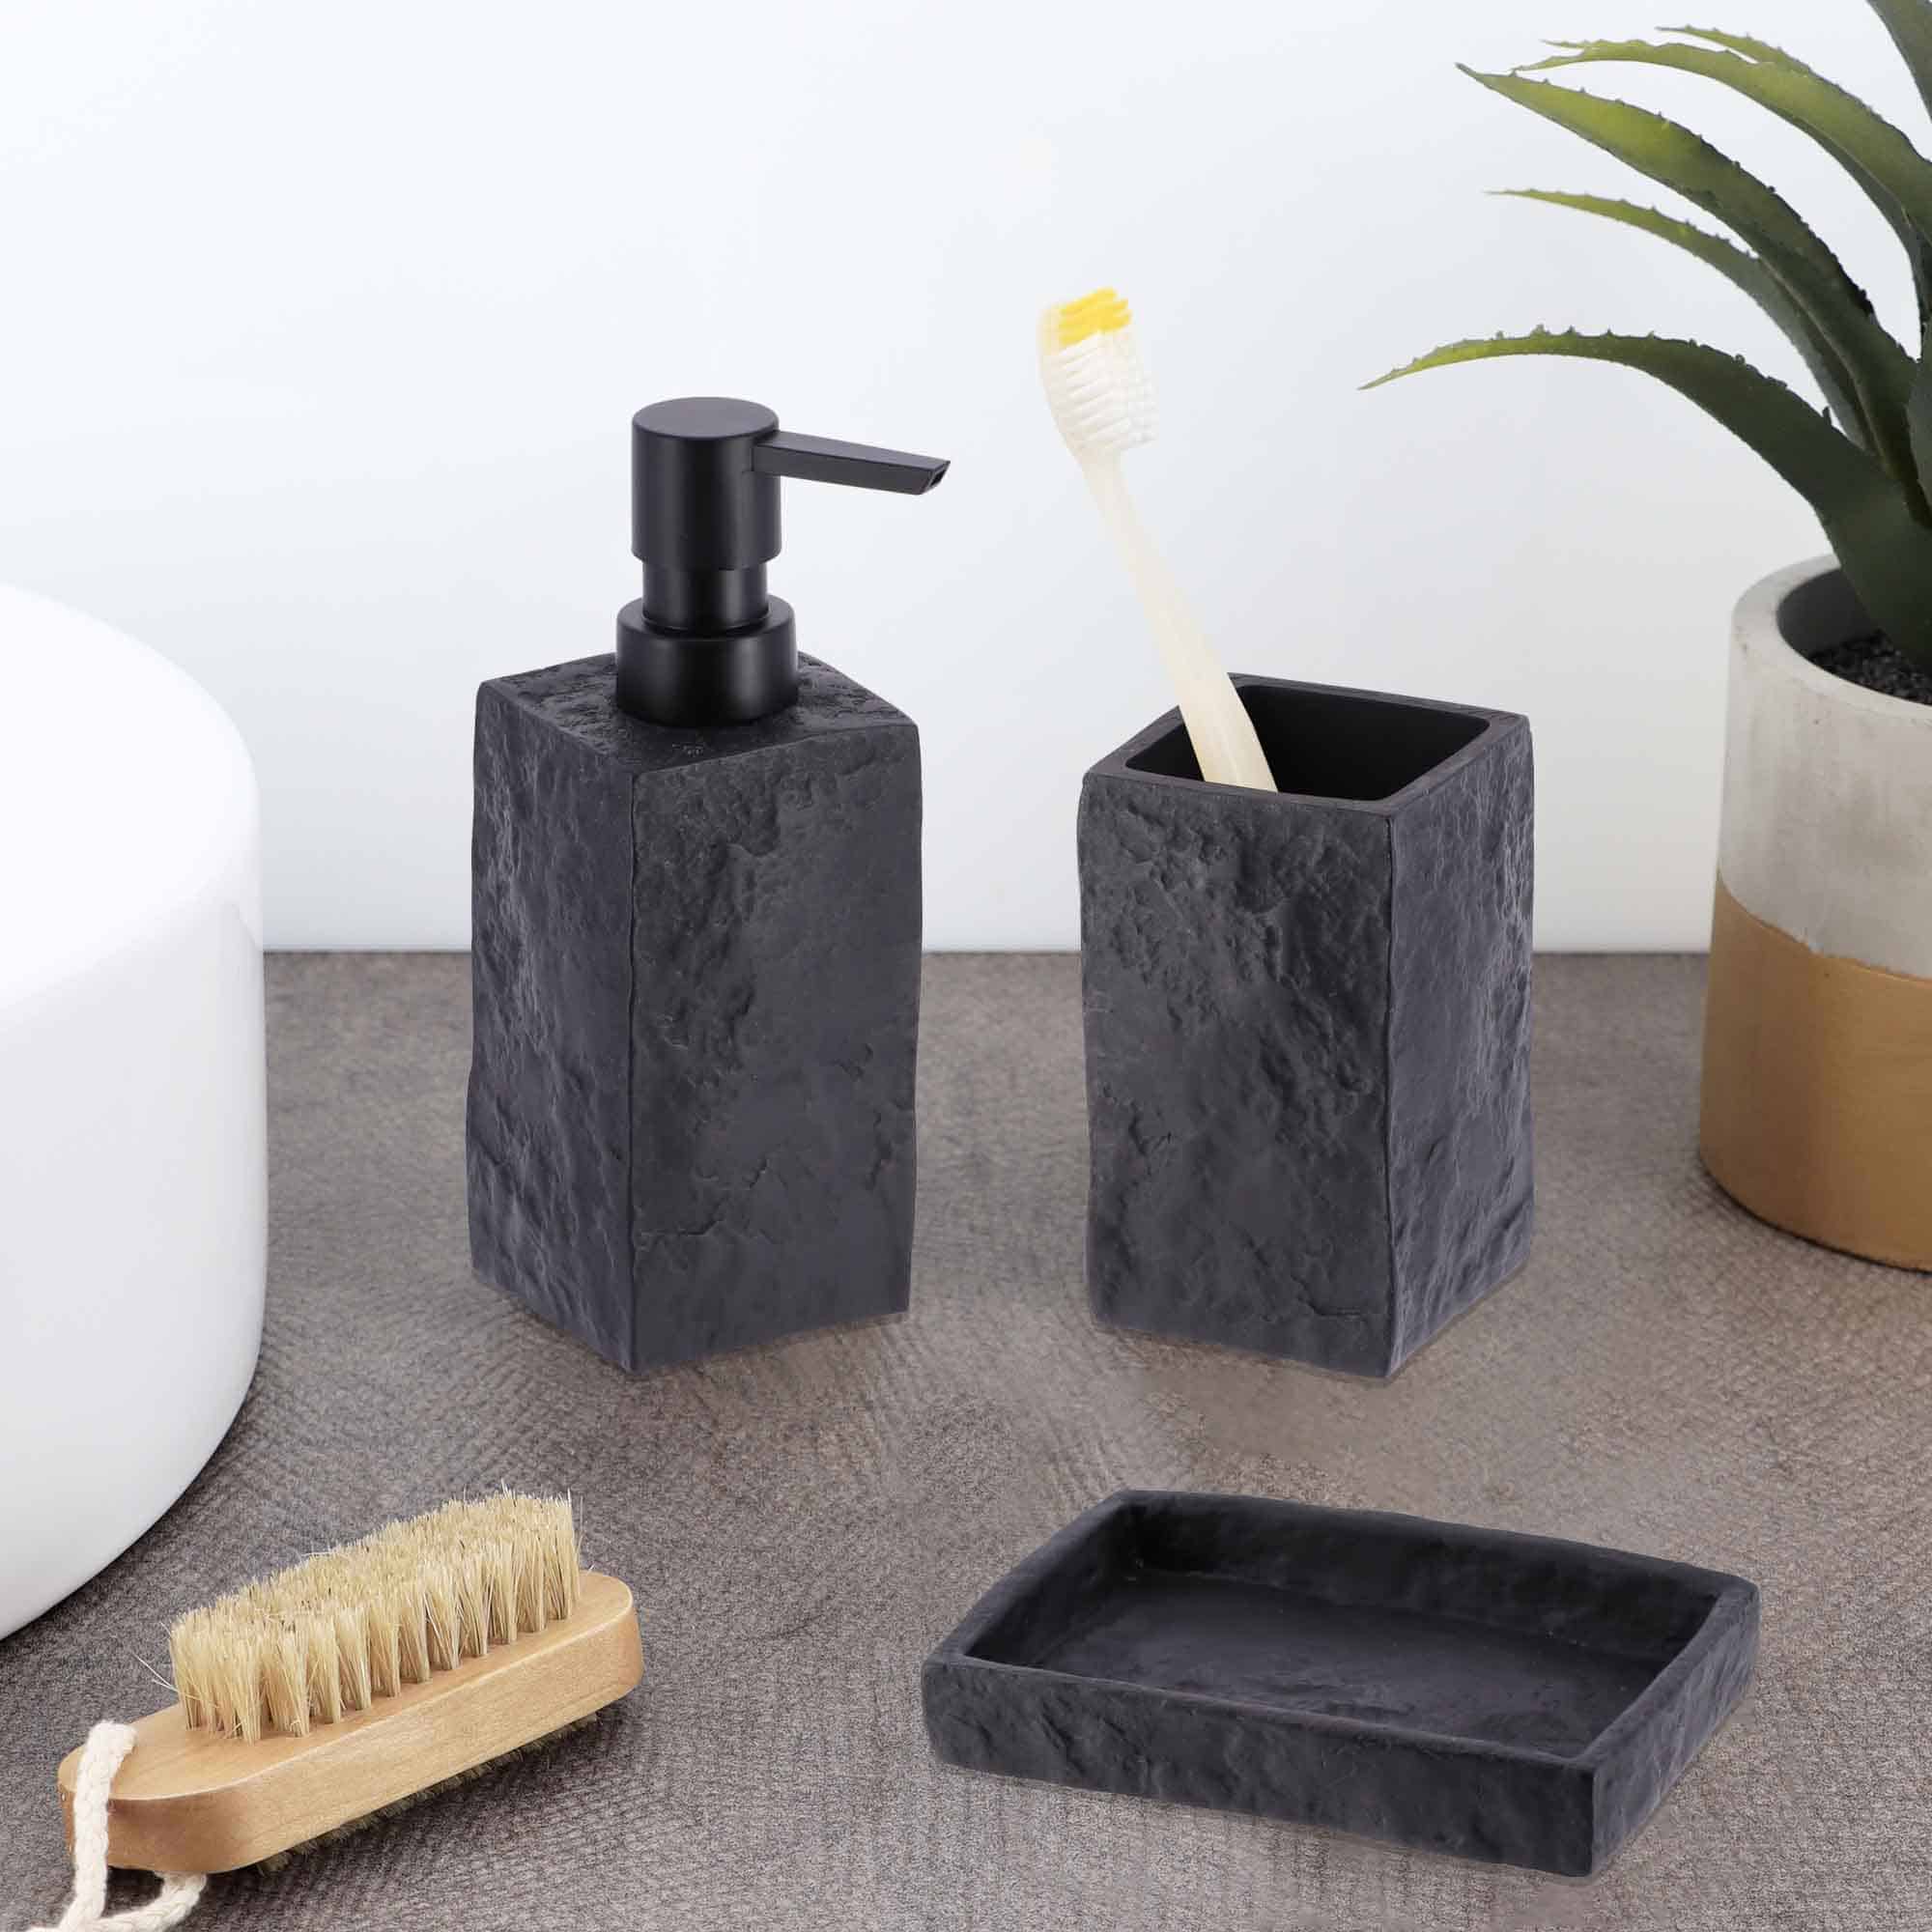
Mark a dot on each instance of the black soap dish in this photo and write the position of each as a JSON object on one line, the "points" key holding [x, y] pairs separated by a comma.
{"points": [[1511, 1698]]}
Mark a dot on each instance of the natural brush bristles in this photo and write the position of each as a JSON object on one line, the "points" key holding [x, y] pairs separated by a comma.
{"points": [[1097, 384], [326, 1638]]}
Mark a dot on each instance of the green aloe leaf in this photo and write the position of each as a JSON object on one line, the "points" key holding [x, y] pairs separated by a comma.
{"points": [[1910, 25], [1894, 175], [1919, 409], [1918, 242], [1738, 44], [1885, 549], [1909, 215], [1748, 272], [1881, 371]]}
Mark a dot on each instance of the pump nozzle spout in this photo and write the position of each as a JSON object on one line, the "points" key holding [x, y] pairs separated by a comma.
{"points": [[819, 459], [707, 643]]}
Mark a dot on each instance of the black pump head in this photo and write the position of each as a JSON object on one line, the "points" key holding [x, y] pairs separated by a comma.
{"points": [[706, 645]]}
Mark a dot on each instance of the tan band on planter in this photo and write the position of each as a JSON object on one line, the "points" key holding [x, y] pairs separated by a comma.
{"points": [[1818, 1090]]}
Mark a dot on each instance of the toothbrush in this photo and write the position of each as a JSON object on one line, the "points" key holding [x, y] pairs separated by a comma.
{"points": [[317, 1698], [1102, 401]]}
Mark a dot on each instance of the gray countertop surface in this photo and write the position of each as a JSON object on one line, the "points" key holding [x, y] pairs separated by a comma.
{"points": [[801, 1523]]}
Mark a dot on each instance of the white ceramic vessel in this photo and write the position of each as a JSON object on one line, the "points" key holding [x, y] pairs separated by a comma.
{"points": [[132, 1129]]}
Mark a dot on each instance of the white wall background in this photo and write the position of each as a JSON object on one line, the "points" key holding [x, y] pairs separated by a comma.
{"points": [[323, 325]]}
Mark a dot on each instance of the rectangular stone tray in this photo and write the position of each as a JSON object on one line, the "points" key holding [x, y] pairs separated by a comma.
{"points": [[1511, 1698]]}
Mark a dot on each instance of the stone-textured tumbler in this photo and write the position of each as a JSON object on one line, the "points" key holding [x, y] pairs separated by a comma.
{"points": [[1307, 1027]]}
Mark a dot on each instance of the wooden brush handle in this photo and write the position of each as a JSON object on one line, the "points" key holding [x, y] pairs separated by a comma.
{"points": [[189, 1800]]}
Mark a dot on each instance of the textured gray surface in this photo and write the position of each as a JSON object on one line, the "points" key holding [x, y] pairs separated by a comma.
{"points": [[1196, 1647], [1462, 1168], [1308, 1041], [696, 983], [803, 1523]]}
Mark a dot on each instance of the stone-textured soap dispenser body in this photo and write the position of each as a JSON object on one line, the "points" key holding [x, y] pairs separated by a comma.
{"points": [[697, 943]]}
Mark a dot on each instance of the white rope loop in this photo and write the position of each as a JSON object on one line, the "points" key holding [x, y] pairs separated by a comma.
{"points": [[107, 1744]]}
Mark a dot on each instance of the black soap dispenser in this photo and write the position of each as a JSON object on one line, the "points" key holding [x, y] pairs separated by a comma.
{"points": [[695, 896]]}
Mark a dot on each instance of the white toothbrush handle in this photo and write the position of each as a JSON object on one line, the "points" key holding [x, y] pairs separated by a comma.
{"points": [[1225, 745]]}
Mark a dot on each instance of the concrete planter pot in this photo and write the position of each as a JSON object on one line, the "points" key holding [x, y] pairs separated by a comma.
{"points": [[1307, 1027], [1817, 1094]]}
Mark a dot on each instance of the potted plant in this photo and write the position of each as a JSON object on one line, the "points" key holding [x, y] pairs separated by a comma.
{"points": [[1817, 1098]]}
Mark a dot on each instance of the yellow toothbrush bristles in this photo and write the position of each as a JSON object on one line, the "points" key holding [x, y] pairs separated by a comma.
{"points": [[1101, 397], [1097, 384], [1101, 313], [331, 1635]]}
